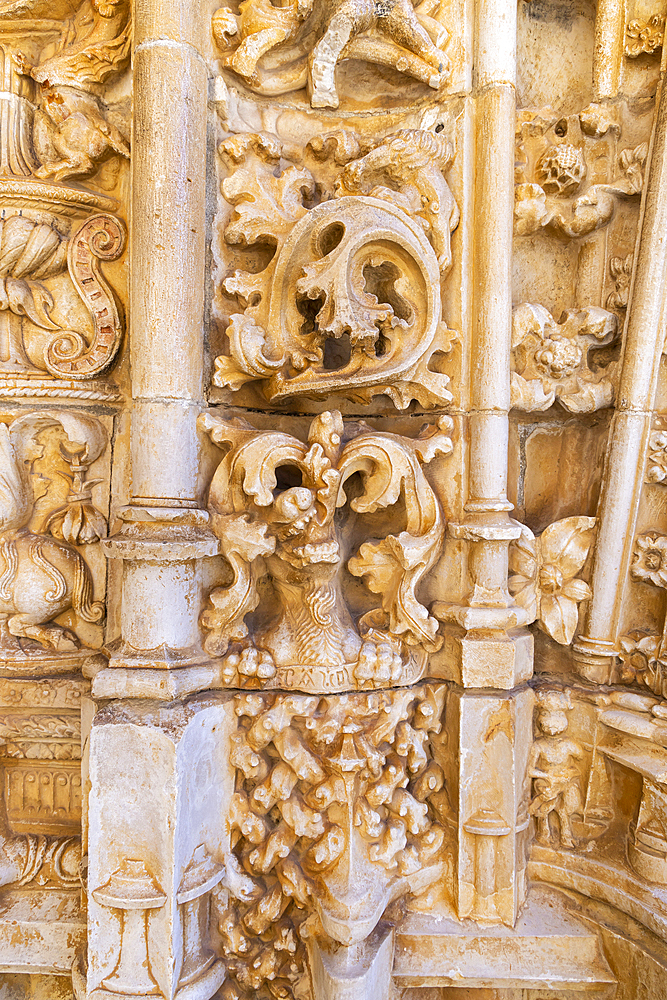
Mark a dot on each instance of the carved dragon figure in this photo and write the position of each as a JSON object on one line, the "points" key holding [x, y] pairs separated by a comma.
{"points": [[40, 577]]}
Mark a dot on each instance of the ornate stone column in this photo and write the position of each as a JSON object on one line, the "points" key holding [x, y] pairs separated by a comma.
{"points": [[158, 653]]}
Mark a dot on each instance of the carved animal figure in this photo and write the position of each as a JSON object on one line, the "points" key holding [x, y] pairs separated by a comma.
{"points": [[261, 25], [413, 160], [71, 134], [39, 577], [395, 19]]}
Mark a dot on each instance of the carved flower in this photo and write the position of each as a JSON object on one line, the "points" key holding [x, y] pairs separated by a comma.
{"points": [[639, 661], [650, 559], [656, 471], [544, 574], [561, 169], [559, 357]]}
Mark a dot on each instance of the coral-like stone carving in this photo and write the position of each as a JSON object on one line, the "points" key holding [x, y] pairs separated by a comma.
{"points": [[350, 301], [551, 360], [41, 574], [544, 574], [273, 502], [277, 49], [331, 821]]}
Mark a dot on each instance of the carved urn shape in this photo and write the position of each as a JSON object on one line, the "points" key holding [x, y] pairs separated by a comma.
{"points": [[134, 892]]}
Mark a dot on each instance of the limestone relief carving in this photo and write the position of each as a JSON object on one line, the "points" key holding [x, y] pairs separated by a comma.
{"points": [[543, 574], [551, 360], [43, 574], [349, 302], [555, 156], [644, 37], [59, 319], [553, 768], [131, 893], [331, 821], [276, 50], [621, 272], [273, 502]]}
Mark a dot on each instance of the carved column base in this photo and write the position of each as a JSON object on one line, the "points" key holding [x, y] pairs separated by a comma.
{"points": [[161, 548], [494, 742], [356, 972]]}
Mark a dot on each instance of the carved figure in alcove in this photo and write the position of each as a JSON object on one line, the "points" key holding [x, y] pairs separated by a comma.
{"points": [[553, 767], [40, 576], [289, 529]]}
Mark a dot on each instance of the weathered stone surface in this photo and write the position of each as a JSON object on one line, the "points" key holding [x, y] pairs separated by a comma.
{"points": [[333, 532]]}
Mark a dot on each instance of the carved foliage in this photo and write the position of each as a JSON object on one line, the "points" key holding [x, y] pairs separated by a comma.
{"points": [[330, 820], [551, 360], [644, 37], [544, 574], [312, 640], [350, 301], [553, 189]]}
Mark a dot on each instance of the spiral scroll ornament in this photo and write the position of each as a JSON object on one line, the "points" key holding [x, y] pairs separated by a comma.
{"points": [[100, 238]]}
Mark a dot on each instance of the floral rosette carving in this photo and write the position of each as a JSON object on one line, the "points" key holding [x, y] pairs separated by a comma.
{"points": [[349, 302], [273, 502], [543, 574], [550, 360], [649, 563], [330, 822]]}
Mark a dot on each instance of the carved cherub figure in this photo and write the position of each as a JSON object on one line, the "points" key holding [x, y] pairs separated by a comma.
{"points": [[394, 19], [413, 160], [553, 768]]}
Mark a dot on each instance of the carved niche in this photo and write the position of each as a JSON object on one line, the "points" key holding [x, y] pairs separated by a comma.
{"points": [[273, 502], [346, 300]]}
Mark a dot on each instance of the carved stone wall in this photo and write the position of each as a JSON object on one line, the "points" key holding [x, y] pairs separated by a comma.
{"points": [[333, 533]]}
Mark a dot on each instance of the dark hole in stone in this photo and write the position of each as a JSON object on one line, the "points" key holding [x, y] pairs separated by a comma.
{"points": [[330, 237], [287, 476], [337, 352]]}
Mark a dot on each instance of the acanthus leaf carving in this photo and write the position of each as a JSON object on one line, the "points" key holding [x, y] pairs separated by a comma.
{"points": [[291, 529], [349, 302]]}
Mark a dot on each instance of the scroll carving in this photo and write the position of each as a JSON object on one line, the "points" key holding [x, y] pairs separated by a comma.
{"points": [[273, 502], [59, 321], [349, 302]]}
